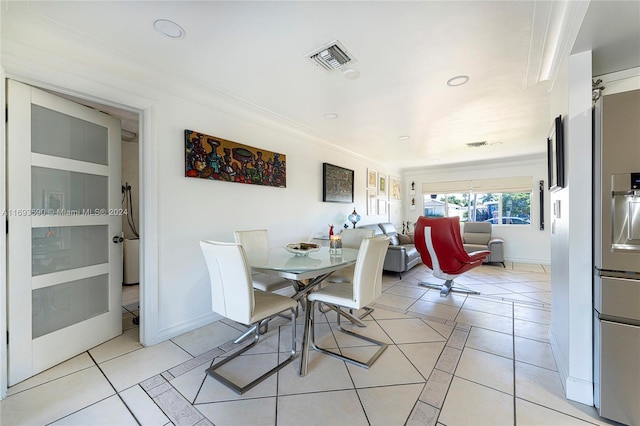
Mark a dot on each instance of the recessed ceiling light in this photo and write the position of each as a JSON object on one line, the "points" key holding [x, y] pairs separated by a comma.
{"points": [[169, 28], [403, 138], [457, 80], [351, 74], [331, 116]]}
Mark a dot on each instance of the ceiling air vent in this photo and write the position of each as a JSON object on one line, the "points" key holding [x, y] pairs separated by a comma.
{"points": [[331, 56], [477, 144]]}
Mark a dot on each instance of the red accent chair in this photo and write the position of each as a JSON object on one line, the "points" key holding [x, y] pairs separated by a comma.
{"points": [[439, 243]]}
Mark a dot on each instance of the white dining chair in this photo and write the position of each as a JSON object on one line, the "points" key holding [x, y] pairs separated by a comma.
{"points": [[256, 247], [233, 297], [352, 238], [365, 289]]}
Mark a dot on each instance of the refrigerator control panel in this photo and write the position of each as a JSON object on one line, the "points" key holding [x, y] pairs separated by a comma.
{"points": [[635, 180]]}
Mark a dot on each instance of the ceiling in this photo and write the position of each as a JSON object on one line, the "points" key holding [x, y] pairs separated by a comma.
{"points": [[405, 52]]}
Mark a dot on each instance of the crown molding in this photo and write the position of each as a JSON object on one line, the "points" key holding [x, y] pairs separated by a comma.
{"points": [[554, 29]]}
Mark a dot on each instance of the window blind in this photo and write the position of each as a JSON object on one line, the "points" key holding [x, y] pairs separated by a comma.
{"points": [[510, 184], [450, 187]]}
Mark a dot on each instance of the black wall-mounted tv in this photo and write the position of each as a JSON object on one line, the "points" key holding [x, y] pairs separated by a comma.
{"points": [[555, 155]]}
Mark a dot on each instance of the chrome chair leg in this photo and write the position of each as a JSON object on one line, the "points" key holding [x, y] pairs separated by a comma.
{"points": [[246, 334], [256, 329], [367, 311], [447, 287], [348, 315], [365, 364], [263, 328]]}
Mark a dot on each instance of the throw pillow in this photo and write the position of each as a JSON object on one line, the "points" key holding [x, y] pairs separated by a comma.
{"points": [[404, 239]]}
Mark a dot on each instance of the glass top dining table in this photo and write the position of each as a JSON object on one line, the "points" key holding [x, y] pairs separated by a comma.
{"points": [[314, 266], [305, 273]]}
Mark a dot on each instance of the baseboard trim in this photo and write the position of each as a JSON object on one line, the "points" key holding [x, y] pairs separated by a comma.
{"points": [[527, 260], [575, 389], [171, 332]]}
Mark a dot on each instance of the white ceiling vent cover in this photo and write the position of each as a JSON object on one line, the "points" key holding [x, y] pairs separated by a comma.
{"points": [[331, 56], [477, 144]]}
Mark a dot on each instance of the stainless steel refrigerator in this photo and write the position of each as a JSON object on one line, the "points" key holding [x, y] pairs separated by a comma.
{"points": [[616, 284]]}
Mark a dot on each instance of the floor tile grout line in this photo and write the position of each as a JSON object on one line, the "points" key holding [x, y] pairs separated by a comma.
{"points": [[364, 411], [453, 375], [51, 380], [558, 411], [426, 379], [204, 379], [482, 385], [415, 404], [532, 339], [93, 404], [487, 352], [171, 387], [113, 387]]}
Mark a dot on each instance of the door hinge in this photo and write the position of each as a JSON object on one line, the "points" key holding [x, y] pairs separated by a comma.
{"points": [[7, 337], [6, 114]]}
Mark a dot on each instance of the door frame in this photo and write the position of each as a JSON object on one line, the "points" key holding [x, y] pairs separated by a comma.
{"points": [[148, 202]]}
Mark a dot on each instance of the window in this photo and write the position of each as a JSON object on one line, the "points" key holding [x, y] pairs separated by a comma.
{"points": [[503, 208], [499, 201]]}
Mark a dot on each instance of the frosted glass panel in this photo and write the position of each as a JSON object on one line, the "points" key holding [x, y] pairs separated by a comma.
{"points": [[68, 303], [60, 135], [55, 249], [53, 189]]}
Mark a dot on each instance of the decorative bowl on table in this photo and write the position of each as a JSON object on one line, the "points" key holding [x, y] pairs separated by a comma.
{"points": [[301, 249]]}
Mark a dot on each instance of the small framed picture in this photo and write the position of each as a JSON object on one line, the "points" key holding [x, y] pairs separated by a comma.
{"points": [[372, 179], [395, 190], [383, 189], [337, 184], [372, 208], [382, 207]]}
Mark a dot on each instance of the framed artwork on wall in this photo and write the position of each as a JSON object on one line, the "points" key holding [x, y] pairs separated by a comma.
{"points": [[383, 188], [555, 155], [395, 190], [382, 206], [372, 179], [337, 184], [214, 158], [372, 207]]}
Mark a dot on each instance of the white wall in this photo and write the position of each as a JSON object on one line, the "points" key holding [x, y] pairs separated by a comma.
{"points": [[526, 244], [571, 244], [194, 209]]}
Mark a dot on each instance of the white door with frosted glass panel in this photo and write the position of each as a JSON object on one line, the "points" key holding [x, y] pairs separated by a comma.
{"points": [[63, 205]]}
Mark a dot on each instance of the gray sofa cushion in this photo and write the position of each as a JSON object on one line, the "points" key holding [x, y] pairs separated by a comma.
{"points": [[376, 229], [477, 232], [403, 255], [388, 228], [404, 239], [477, 236]]}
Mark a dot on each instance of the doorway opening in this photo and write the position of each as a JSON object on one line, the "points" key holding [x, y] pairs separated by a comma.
{"points": [[130, 166]]}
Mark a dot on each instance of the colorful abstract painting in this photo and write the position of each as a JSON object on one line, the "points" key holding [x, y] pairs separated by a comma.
{"points": [[210, 157]]}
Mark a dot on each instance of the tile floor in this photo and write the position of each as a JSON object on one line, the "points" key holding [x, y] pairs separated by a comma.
{"points": [[460, 360]]}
